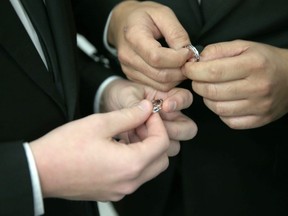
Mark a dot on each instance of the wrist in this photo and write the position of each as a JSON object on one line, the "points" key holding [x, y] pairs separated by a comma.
{"points": [[98, 100], [109, 96]]}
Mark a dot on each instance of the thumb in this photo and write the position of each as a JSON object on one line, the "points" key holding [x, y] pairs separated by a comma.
{"points": [[126, 119]]}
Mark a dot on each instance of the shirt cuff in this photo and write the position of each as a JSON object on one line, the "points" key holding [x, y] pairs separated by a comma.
{"points": [[100, 90], [111, 49], [36, 187]]}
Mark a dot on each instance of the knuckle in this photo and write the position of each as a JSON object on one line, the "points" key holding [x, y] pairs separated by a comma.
{"points": [[176, 133], [233, 123], [214, 74], [213, 49], [154, 58], [168, 76], [128, 188], [211, 91], [261, 62], [134, 170], [221, 110], [265, 88], [174, 149], [165, 87], [162, 76], [129, 32], [177, 34], [266, 107], [123, 57], [117, 197], [187, 98], [161, 87], [166, 164], [165, 9]]}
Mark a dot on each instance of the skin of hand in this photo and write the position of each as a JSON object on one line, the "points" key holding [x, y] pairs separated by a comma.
{"points": [[123, 93], [245, 83], [81, 161], [134, 30]]}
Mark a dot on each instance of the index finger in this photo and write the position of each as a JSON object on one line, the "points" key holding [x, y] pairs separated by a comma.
{"points": [[176, 99], [154, 54], [157, 141], [219, 70]]}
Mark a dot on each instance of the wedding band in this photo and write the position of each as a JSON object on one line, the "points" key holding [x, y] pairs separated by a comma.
{"points": [[194, 50], [157, 105]]}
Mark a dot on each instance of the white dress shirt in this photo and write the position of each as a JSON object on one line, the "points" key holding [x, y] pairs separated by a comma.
{"points": [[36, 187]]}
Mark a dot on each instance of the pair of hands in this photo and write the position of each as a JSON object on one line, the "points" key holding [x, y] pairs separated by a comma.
{"points": [[244, 83], [81, 160]]}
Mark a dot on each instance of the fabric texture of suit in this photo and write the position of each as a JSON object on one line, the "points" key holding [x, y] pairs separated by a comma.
{"points": [[31, 105], [223, 171]]}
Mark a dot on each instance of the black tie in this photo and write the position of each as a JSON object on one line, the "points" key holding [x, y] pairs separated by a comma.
{"points": [[38, 15]]}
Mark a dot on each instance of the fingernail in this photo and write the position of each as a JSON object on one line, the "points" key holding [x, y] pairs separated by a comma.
{"points": [[172, 106]]}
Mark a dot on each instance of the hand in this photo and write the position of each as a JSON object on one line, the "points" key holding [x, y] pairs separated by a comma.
{"points": [[134, 30], [81, 161], [123, 93], [245, 83]]}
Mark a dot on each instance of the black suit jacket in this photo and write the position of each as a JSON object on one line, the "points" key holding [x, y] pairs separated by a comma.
{"points": [[223, 171], [30, 104]]}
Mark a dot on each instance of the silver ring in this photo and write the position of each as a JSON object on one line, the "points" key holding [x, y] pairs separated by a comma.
{"points": [[157, 105], [194, 50]]}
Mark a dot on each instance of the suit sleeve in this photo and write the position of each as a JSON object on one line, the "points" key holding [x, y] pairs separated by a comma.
{"points": [[93, 74], [16, 196]]}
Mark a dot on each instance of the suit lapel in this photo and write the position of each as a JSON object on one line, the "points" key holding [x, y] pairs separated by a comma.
{"points": [[38, 16], [61, 20], [15, 40]]}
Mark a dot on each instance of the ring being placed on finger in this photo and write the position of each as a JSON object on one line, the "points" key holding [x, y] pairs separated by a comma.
{"points": [[157, 105], [194, 50]]}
